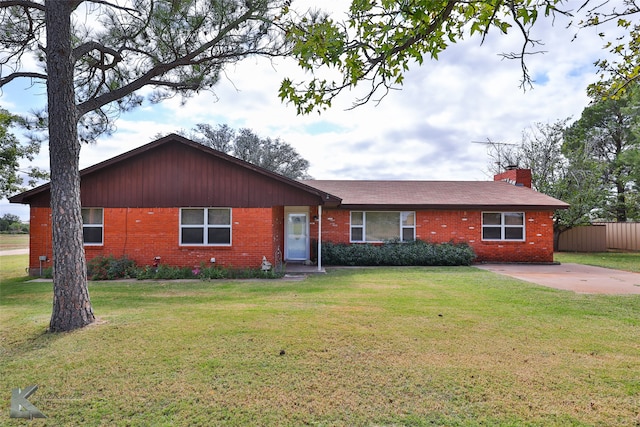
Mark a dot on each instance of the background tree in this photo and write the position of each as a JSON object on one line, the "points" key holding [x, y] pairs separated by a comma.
{"points": [[272, 154], [12, 151], [608, 132], [95, 57], [570, 176], [12, 223]]}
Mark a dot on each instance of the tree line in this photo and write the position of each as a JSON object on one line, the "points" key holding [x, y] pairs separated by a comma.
{"points": [[10, 223]]}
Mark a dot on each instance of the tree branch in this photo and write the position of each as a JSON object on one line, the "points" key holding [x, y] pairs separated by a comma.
{"points": [[148, 77], [12, 76], [85, 48], [109, 4], [22, 3]]}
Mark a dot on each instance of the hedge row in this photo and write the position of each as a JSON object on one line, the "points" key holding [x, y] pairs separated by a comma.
{"points": [[397, 254]]}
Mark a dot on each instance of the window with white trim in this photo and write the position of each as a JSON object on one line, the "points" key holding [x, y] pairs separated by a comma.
{"points": [[503, 226], [92, 226], [205, 226], [372, 226]]}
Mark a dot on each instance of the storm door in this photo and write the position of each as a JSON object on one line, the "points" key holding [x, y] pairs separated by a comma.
{"points": [[297, 242]]}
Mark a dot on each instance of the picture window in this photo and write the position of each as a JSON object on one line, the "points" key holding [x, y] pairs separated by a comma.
{"points": [[205, 226], [503, 226]]}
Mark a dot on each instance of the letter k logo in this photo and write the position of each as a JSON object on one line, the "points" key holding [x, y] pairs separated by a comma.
{"points": [[21, 407]]}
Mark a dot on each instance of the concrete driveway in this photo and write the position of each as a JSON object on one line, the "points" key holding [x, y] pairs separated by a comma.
{"points": [[572, 277]]}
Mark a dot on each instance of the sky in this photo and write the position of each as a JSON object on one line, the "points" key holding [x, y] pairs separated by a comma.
{"points": [[426, 130]]}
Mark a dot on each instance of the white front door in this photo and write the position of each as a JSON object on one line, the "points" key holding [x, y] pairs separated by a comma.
{"points": [[297, 241]]}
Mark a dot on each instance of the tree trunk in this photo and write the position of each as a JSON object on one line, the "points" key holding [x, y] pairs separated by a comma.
{"points": [[556, 237], [621, 202], [71, 304]]}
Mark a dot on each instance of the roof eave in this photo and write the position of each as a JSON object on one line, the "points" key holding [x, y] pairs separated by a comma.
{"points": [[453, 207]]}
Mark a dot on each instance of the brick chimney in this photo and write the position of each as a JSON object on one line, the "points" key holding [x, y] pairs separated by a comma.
{"points": [[515, 176]]}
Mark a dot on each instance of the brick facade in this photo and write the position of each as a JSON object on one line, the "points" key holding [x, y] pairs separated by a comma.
{"points": [[462, 226], [145, 233]]}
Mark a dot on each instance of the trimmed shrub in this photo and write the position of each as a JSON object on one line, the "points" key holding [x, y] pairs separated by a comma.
{"points": [[396, 253]]}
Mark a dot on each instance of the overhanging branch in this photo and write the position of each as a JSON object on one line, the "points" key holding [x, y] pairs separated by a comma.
{"points": [[150, 76]]}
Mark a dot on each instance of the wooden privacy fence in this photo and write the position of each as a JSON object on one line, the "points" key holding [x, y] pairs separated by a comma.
{"points": [[601, 237]]}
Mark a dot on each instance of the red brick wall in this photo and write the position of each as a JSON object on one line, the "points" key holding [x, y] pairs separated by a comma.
{"points": [[144, 233], [39, 238], [463, 226]]}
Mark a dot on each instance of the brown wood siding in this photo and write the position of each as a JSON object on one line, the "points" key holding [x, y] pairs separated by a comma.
{"points": [[176, 175]]}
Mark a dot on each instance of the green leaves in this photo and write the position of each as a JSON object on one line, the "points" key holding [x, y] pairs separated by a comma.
{"points": [[623, 70], [398, 254], [12, 153]]}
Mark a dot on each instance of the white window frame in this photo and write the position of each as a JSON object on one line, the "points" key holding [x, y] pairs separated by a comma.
{"points": [[205, 226], [97, 226], [503, 226], [363, 226]]}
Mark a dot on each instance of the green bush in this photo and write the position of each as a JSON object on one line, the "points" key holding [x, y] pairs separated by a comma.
{"points": [[396, 253], [110, 268], [207, 273], [165, 272]]}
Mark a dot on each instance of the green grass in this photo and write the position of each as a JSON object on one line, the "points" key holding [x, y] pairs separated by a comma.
{"points": [[388, 346], [14, 241], [13, 266], [629, 261]]}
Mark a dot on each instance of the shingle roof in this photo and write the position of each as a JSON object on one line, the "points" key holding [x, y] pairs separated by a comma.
{"points": [[436, 194]]}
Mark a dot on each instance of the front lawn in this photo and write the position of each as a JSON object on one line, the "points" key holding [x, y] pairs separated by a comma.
{"points": [[387, 346], [13, 266]]}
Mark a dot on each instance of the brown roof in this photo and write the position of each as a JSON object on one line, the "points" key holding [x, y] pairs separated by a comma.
{"points": [[436, 195]]}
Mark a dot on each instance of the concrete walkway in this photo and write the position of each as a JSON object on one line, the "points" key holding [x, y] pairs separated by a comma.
{"points": [[572, 277]]}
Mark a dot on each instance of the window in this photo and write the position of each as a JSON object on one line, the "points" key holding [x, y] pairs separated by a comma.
{"points": [[382, 226], [206, 227], [503, 226], [92, 226]]}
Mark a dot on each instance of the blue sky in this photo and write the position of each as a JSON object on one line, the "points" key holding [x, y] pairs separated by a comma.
{"points": [[423, 131]]}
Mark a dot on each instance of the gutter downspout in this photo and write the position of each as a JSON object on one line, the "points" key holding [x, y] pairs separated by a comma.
{"points": [[319, 238]]}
